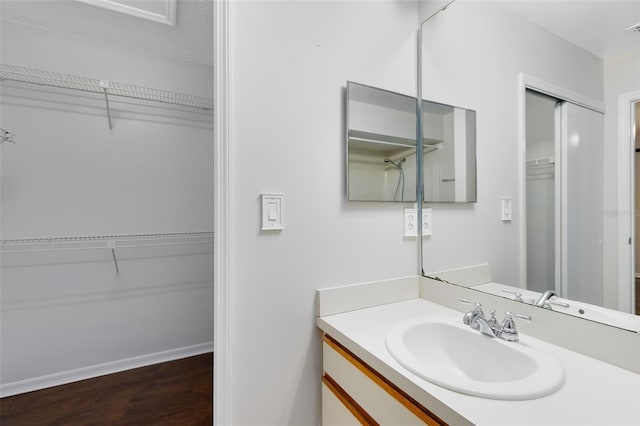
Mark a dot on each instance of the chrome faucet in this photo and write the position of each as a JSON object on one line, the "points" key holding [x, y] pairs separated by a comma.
{"points": [[508, 330], [547, 299], [490, 327]]}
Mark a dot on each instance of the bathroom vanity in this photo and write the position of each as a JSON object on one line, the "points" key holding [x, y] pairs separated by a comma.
{"points": [[363, 383]]}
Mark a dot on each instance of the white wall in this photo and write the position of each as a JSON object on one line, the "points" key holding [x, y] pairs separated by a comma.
{"points": [[68, 175], [472, 55], [289, 65]]}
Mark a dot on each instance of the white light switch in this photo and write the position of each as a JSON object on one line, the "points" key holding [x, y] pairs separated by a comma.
{"points": [[272, 212], [506, 209]]}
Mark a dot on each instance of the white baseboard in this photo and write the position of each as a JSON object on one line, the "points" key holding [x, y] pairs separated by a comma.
{"points": [[70, 376]]}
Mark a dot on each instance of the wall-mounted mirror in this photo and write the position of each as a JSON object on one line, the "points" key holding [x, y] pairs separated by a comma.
{"points": [[449, 138], [381, 145], [573, 202], [381, 148]]}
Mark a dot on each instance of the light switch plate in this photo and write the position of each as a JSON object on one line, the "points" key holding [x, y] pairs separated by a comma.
{"points": [[272, 212], [507, 209]]}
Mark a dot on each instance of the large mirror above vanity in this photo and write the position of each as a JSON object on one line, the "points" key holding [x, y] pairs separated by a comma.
{"points": [[556, 87], [382, 145]]}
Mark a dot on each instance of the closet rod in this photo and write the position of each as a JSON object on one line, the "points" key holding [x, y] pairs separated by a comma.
{"points": [[22, 74]]}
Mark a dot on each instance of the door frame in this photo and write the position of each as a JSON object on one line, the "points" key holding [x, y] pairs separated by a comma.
{"points": [[626, 202], [222, 215], [526, 81]]}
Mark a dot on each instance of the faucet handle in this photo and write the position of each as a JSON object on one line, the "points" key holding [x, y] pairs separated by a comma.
{"points": [[493, 322], [518, 295], [470, 316], [508, 329], [478, 306]]}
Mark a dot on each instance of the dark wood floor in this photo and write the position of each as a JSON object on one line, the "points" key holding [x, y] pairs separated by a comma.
{"points": [[172, 393]]}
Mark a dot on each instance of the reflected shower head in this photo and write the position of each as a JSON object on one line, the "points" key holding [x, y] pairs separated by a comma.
{"points": [[397, 165]]}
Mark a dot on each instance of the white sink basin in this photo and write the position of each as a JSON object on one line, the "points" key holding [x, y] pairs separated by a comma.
{"points": [[459, 358]]}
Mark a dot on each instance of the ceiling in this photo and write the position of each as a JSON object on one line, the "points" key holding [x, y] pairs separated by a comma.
{"points": [[597, 26], [190, 39]]}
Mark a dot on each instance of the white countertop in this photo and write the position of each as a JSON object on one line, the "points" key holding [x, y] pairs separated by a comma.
{"points": [[594, 392]]}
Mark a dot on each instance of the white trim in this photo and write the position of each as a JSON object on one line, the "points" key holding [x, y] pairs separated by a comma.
{"points": [[525, 82], [559, 92], [562, 217], [168, 17], [98, 370], [522, 178], [626, 287], [222, 217], [558, 207]]}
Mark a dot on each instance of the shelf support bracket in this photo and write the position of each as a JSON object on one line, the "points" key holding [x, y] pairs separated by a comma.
{"points": [[6, 136], [105, 85], [111, 244]]}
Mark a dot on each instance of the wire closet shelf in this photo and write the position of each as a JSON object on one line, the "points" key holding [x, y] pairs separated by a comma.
{"points": [[101, 242], [23, 74], [106, 238]]}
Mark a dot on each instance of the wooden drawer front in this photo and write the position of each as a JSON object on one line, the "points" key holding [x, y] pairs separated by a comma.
{"points": [[334, 410], [383, 403]]}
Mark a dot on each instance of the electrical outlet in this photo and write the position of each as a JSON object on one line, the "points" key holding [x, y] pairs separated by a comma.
{"points": [[410, 222], [427, 225]]}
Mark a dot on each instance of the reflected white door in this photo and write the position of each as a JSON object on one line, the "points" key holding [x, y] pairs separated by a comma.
{"points": [[582, 136]]}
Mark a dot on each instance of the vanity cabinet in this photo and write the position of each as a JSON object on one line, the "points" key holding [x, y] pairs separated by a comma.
{"points": [[353, 393]]}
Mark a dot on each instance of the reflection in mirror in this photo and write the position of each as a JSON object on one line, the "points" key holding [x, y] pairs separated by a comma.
{"points": [[564, 239], [478, 277], [547, 300], [507, 47], [449, 138], [381, 145]]}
